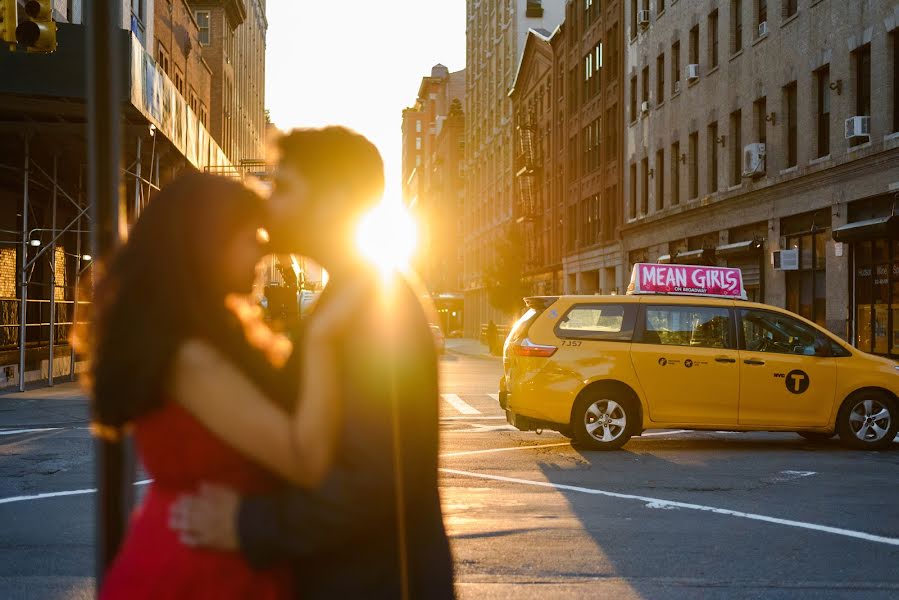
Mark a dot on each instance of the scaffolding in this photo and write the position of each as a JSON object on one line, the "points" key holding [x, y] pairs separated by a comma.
{"points": [[49, 298]]}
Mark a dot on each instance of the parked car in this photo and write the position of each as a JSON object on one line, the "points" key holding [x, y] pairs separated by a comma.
{"points": [[439, 340]]}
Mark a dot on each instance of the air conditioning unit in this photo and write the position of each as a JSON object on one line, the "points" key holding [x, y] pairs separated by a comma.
{"points": [[643, 18], [677, 87], [753, 160], [858, 126], [786, 260], [763, 28], [644, 107], [692, 72]]}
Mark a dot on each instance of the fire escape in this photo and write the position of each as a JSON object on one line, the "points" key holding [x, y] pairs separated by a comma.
{"points": [[527, 171]]}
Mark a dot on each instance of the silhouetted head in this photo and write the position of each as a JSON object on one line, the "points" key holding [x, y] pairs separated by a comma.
{"points": [[326, 180]]}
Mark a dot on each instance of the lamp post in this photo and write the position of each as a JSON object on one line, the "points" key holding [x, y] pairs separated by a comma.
{"points": [[115, 462]]}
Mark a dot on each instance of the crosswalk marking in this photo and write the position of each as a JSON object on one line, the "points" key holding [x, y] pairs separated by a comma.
{"points": [[461, 405], [494, 396]]}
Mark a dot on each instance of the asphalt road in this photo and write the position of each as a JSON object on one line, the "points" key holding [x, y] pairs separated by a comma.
{"points": [[672, 515]]}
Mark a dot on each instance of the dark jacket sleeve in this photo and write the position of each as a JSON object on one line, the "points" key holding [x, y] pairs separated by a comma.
{"points": [[357, 499]]}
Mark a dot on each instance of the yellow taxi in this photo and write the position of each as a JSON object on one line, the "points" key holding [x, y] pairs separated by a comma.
{"points": [[684, 350]]}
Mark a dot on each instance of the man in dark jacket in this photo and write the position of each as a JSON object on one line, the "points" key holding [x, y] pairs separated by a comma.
{"points": [[374, 529]]}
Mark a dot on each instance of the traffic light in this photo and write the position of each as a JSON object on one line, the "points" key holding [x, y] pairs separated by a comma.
{"points": [[38, 32], [8, 21]]}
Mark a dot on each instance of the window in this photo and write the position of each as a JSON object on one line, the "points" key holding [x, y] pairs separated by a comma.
{"points": [[862, 58], [696, 326], [633, 98], [736, 20], [660, 78], [694, 165], [202, 18], [598, 321], [713, 157], [632, 209], [179, 81], [418, 143], [644, 197], [736, 147], [822, 80], [162, 57], [659, 175], [790, 7], [572, 227], [661, 6], [694, 45], [765, 331], [807, 286], [790, 102], [894, 38], [634, 9], [761, 113], [761, 11], [877, 296], [713, 39], [644, 92], [675, 68], [418, 126], [675, 173]]}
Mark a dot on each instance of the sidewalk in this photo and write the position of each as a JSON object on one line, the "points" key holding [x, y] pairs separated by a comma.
{"points": [[63, 405], [469, 347]]}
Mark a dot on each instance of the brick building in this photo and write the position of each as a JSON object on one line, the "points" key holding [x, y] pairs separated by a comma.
{"points": [[179, 54], [496, 35], [232, 40], [765, 135]]}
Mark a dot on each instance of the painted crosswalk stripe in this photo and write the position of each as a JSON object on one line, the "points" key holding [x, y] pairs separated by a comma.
{"points": [[461, 405], [18, 431], [494, 396]]}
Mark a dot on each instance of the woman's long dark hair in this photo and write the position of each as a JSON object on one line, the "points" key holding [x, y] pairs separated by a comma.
{"points": [[166, 285]]}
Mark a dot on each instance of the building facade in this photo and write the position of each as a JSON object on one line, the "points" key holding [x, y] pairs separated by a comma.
{"points": [[765, 135], [496, 33], [433, 152], [232, 41], [179, 54], [589, 64]]}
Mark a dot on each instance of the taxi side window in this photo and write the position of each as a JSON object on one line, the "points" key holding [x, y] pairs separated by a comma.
{"points": [[598, 321], [697, 326], [765, 331]]}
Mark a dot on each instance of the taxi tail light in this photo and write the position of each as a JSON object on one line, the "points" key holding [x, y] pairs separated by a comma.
{"points": [[530, 349]]}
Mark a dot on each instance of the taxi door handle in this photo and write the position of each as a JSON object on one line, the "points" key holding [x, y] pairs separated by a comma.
{"points": [[725, 359], [753, 361]]}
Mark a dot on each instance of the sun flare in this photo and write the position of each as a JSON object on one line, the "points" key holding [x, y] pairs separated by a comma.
{"points": [[388, 236]]}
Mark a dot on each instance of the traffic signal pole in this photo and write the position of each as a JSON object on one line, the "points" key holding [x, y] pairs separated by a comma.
{"points": [[115, 460]]}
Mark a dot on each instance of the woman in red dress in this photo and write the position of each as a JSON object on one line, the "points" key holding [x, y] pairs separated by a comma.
{"points": [[170, 341]]}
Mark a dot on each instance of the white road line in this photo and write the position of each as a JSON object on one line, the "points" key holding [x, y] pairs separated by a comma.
{"points": [[493, 450], [494, 396], [18, 431], [654, 433], [461, 405], [60, 494], [669, 504]]}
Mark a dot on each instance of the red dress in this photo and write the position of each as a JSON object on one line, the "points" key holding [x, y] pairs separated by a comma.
{"points": [[179, 453]]}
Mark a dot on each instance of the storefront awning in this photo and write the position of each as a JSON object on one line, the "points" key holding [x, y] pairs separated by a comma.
{"points": [[738, 248], [702, 256], [881, 227]]}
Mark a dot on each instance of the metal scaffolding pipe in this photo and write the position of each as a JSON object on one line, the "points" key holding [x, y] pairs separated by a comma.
{"points": [[53, 272], [23, 275], [137, 181]]}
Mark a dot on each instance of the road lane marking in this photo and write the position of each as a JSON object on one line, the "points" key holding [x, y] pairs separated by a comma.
{"points": [[61, 494], [494, 396], [793, 475], [18, 431], [670, 504], [493, 450], [459, 404]]}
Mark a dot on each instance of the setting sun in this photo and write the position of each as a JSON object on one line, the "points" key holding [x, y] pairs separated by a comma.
{"points": [[388, 236]]}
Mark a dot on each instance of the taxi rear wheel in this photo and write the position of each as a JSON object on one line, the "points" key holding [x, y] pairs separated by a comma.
{"points": [[868, 420], [603, 423]]}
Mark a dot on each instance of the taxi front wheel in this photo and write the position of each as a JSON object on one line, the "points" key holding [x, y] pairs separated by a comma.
{"points": [[868, 420], [603, 423]]}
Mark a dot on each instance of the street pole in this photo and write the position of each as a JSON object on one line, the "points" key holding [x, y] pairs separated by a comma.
{"points": [[53, 273], [115, 461], [23, 271]]}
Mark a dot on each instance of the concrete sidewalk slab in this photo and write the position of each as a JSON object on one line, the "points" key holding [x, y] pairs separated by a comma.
{"points": [[470, 347]]}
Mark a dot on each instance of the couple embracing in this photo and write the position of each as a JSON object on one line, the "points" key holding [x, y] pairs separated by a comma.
{"points": [[303, 468]]}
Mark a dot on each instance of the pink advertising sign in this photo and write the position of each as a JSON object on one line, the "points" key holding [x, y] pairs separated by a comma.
{"points": [[720, 282]]}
